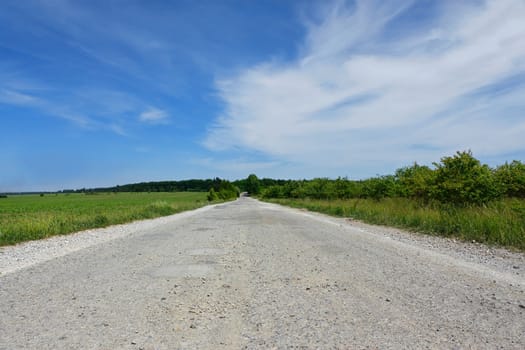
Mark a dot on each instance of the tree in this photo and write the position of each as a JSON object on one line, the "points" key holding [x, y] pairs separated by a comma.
{"points": [[253, 185], [462, 179]]}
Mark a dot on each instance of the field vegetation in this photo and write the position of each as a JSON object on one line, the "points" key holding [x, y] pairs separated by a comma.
{"points": [[501, 222], [30, 217], [457, 197]]}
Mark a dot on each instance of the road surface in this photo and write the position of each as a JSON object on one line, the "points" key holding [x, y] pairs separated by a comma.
{"points": [[251, 275]]}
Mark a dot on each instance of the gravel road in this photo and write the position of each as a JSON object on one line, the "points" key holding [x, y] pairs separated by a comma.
{"points": [[252, 275]]}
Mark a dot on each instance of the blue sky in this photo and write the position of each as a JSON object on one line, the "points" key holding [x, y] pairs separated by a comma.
{"points": [[99, 93]]}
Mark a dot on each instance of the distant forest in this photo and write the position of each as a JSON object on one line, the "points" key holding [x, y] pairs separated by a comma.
{"points": [[192, 185]]}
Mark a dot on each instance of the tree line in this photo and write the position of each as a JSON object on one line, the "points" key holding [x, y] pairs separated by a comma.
{"points": [[192, 185], [460, 179]]}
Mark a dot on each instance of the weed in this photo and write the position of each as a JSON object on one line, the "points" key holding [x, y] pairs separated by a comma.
{"points": [[500, 222]]}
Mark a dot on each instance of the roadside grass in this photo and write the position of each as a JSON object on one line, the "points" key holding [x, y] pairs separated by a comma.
{"points": [[31, 217], [500, 223]]}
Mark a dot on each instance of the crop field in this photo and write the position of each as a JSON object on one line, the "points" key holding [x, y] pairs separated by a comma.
{"points": [[499, 223], [30, 217]]}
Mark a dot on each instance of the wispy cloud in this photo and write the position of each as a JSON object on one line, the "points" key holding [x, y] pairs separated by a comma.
{"points": [[12, 97], [98, 73], [154, 116], [17, 98], [359, 93]]}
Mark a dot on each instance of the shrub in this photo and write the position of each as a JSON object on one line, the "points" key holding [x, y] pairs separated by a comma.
{"points": [[223, 189], [415, 181], [511, 179], [457, 180], [274, 191], [212, 195], [380, 187], [320, 188], [462, 180]]}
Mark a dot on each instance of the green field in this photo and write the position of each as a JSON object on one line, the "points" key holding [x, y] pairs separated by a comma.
{"points": [[499, 223], [30, 217]]}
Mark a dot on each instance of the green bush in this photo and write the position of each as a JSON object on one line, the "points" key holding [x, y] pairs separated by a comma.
{"points": [[222, 190], [415, 181], [380, 187], [212, 195], [462, 179], [274, 191], [511, 179], [320, 188]]}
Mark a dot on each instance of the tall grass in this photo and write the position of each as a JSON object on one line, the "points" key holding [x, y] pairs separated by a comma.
{"points": [[30, 217], [499, 223]]}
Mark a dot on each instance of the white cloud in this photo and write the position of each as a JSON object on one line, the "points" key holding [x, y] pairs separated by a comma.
{"points": [[154, 116], [17, 98], [89, 108], [359, 94], [13, 97]]}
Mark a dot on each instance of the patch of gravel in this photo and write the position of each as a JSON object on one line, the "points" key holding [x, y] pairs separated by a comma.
{"points": [[14, 258], [498, 258]]}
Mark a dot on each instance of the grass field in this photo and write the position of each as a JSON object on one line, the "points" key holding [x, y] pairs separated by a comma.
{"points": [[30, 217], [500, 223]]}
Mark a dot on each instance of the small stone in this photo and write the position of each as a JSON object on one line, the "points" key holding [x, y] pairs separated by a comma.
{"points": [[387, 300], [521, 306], [192, 326], [515, 267]]}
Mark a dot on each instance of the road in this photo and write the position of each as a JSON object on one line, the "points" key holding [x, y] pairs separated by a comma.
{"points": [[251, 275]]}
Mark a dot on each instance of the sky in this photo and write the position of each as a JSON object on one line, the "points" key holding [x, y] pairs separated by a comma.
{"points": [[99, 93]]}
